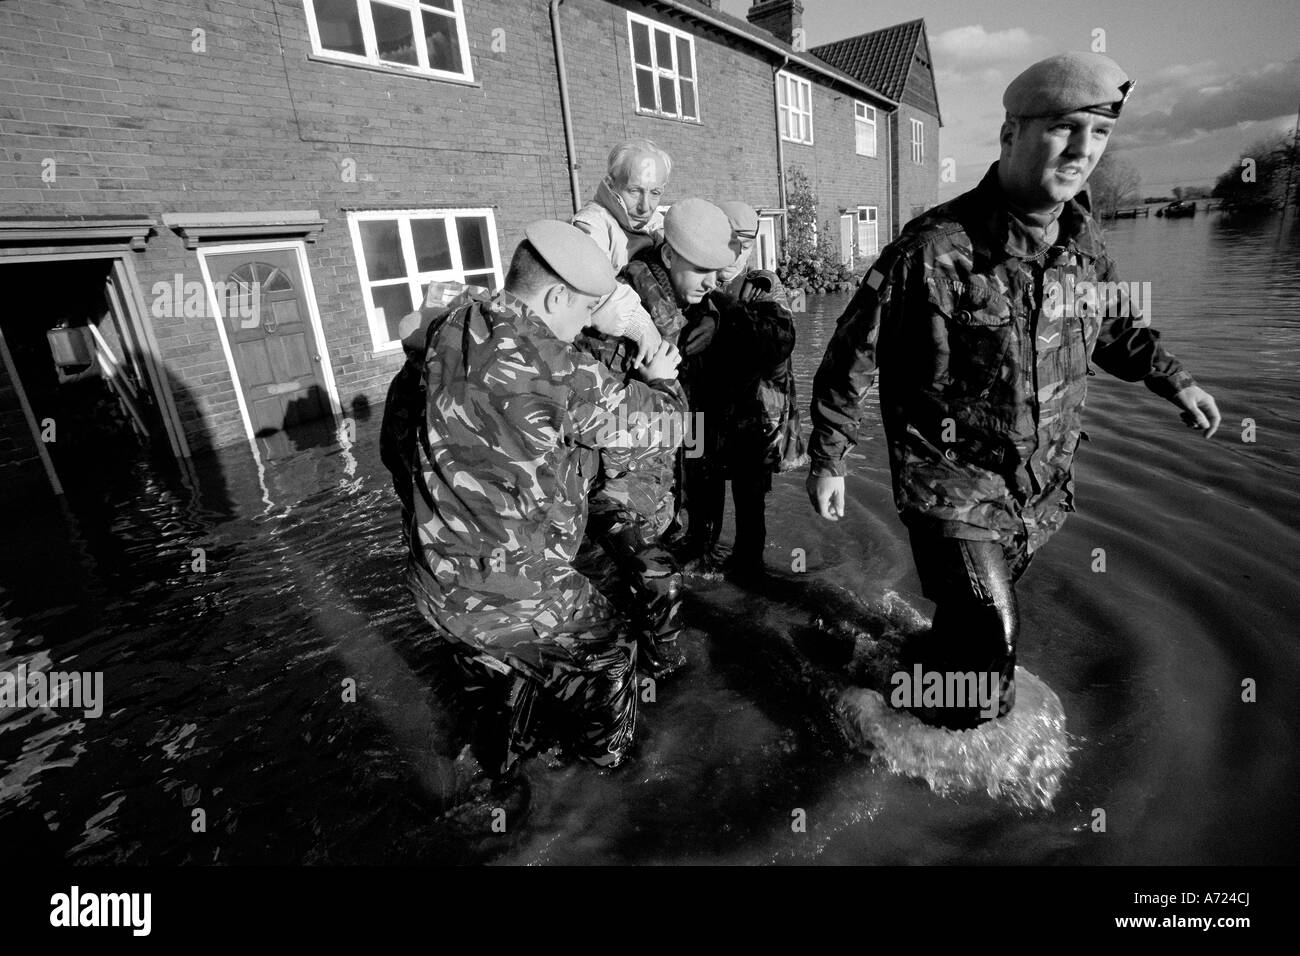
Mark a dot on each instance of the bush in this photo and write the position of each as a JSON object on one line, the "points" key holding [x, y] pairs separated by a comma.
{"points": [[811, 262]]}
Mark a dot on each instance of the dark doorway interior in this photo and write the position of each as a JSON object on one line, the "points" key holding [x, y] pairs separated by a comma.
{"points": [[95, 421]]}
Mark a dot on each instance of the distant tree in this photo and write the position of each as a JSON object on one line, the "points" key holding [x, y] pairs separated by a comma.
{"points": [[1257, 181], [1114, 183], [810, 260]]}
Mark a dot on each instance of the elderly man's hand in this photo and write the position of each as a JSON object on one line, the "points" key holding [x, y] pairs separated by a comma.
{"points": [[1199, 410], [826, 492]]}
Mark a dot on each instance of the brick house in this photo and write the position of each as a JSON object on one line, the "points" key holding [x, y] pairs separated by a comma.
{"points": [[225, 207], [896, 61]]}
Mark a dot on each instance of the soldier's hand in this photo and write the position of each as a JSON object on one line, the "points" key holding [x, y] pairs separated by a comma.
{"points": [[826, 492], [1199, 410], [662, 363]]}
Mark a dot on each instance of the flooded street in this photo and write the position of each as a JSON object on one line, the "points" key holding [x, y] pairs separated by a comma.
{"points": [[229, 617]]}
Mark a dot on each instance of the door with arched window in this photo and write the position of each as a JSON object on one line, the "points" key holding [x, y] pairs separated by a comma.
{"points": [[278, 361]]}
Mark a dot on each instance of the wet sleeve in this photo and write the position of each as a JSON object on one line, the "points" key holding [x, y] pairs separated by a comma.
{"points": [[1128, 348], [848, 368]]}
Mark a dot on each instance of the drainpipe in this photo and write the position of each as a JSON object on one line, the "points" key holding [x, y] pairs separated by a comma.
{"points": [[780, 144], [565, 115]]}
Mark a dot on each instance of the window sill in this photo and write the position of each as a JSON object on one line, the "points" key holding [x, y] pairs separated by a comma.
{"points": [[797, 142], [394, 71], [672, 119]]}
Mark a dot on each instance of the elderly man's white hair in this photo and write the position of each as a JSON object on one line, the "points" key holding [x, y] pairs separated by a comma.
{"points": [[620, 155]]}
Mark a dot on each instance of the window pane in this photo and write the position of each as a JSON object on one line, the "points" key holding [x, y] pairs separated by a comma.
{"points": [[475, 246], [641, 44], [391, 303], [664, 49], [862, 139], [393, 34], [443, 42], [339, 23], [684, 58], [441, 4], [432, 251], [688, 100], [645, 89], [382, 244], [668, 94], [487, 280], [805, 98]]}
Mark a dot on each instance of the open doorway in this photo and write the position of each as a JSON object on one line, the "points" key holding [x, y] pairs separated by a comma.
{"points": [[87, 414]]}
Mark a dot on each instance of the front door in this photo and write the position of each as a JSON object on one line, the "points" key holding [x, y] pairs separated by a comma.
{"points": [[264, 308]]}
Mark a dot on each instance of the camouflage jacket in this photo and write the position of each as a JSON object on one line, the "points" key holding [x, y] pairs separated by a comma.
{"points": [[512, 420], [642, 487], [982, 387], [747, 377]]}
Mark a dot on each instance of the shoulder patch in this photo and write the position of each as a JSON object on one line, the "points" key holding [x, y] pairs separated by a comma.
{"points": [[874, 279]]}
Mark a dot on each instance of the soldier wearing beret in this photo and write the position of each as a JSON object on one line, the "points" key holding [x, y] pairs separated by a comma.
{"points": [[631, 508], [984, 377], [512, 419]]}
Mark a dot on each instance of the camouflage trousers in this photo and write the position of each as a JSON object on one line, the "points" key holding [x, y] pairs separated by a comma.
{"points": [[623, 556], [574, 686]]}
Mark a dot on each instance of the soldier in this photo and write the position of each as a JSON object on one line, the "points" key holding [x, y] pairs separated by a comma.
{"points": [[985, 372], [746, 391], [631, 508], [513, 416]]}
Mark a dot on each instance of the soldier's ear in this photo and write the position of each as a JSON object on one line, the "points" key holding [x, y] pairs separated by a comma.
{"points": [[1007, 135], [556, 298]]}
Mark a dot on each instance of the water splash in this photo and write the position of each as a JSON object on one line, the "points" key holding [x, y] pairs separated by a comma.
{"points": [[1021, 757]]}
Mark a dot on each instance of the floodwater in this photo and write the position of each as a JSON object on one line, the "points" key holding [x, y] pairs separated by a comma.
{"points": [[229, 620]]}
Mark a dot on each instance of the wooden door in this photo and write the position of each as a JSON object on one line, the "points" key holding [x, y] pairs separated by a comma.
{"points": [[267, 320]]}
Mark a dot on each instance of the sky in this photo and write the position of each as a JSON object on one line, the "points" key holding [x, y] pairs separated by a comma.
{"points": [[1212, 78]]}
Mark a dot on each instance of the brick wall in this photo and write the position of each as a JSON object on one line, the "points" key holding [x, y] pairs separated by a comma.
{"points": [[138, 123]]}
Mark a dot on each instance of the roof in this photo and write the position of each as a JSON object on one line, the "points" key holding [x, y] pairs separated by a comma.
{"points": [[881, 58], [743, 28]]}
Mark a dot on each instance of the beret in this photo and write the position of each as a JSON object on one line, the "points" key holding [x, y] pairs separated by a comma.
{"points": [[700, 233], [1066, 83], [743, 218], [572, 255]]}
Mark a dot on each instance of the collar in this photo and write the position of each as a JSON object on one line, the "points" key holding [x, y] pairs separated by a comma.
{"points": [[998, 233], [525, 319]]}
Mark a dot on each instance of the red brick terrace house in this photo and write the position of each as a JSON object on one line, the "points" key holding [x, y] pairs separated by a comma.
{"points": [[163, 160], [896, 61]]}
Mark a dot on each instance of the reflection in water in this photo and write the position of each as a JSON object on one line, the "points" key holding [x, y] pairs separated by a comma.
{"points": [[228, 618]]}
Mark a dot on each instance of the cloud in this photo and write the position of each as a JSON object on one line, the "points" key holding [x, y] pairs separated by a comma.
{"points": [[973, 45], [1201, 103]]}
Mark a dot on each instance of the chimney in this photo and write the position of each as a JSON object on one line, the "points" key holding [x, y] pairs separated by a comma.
{"points": [[781, 18]]}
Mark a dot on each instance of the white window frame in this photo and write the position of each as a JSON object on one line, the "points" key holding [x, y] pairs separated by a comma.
{"points": [[793, 115], [864, 124], [918, 142], [413, 278], [766, 243], [659, 70], [414, 7], [868, 223]]}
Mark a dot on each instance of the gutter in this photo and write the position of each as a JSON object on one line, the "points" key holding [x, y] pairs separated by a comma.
{"points": [[773, 47], [565, 114]]}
